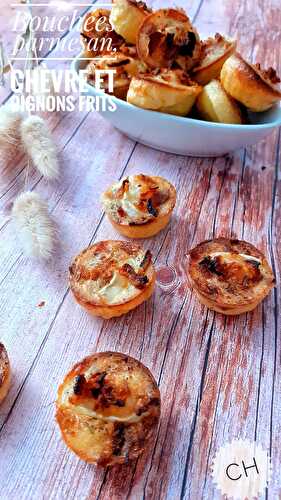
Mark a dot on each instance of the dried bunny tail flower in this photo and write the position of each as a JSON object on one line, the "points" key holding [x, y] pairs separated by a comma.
{"points": [[10, 121], [39, 146], [36, 230]]}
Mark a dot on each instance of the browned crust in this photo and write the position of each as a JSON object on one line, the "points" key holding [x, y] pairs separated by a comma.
{"points": [[183, 80], [199, 68], [227, 291], [92, 34], [165, 93], [178, 15], [159, 49], [269, 75], [4, 364], [119, 441], [86, 362], [129, 50], [209, 43], [141, 6], [254, 76], [114, 311], [227, 245], [146, 230], [117, 61], [226, 310], [78, 271], [5, 372], [153, 183]]}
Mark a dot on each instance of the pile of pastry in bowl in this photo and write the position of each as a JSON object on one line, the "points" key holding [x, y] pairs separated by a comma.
{"points": [[161, 64]]}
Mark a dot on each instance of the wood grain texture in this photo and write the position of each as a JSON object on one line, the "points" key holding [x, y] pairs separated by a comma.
{"points": [[219, 377]]}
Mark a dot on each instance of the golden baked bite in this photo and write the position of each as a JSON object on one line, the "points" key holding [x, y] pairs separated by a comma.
{"points": [[257, 89], [136, 65], [140, 206], [229, 276], [126, 17], [97, 35], [108, 409], [110, 278], [215, 105], [167, 36], [5, 373], [168, 91], [125, 67], [215, 51]]}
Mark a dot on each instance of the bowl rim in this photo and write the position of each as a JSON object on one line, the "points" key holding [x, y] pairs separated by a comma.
{"points": [[75, 66]]}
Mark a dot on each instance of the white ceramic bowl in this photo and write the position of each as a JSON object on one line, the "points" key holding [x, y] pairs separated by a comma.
{"points": [[185, 136]]}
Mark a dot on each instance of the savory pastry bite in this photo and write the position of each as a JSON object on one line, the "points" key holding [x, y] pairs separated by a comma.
{"points": [[167, 36], [126, 17], [257, 89], [140, 206], [168, 91], [214, 105], [5, 373], [136, 65], [97, 35], [215, 51], [110, 278], [229, 276], [125, 67], [108, 409]]}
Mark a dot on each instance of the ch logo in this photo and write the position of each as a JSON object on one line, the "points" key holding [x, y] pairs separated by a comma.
{"points": [[231, 470], [241, 470]]}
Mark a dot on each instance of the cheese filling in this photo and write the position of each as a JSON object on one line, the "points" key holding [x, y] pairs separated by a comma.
{"points": [[110, 412], [231, 257], [240, 268], [133, 418], [214, 49], [118, 288], [138, 199], [112, 277], [85, 410], [130, 201]]}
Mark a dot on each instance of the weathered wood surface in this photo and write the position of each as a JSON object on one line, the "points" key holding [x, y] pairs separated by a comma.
{"points": [[219, 377]]}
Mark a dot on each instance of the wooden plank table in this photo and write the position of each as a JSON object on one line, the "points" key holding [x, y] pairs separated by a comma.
{"points": [[219, 377]]}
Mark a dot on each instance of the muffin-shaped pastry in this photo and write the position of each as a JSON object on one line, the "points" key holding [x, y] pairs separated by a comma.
{"points": [[126, 17], [215, 51], [257, 89], [139, 206], [229, 276], [168, 91], [5, 373], [167, 36], [214, 105], [110, 278], [125, 67], [97, 34], [136, 66], [108, 408]]}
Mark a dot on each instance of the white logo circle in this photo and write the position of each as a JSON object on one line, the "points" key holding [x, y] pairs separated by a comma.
{"points": [[241, 469]]}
